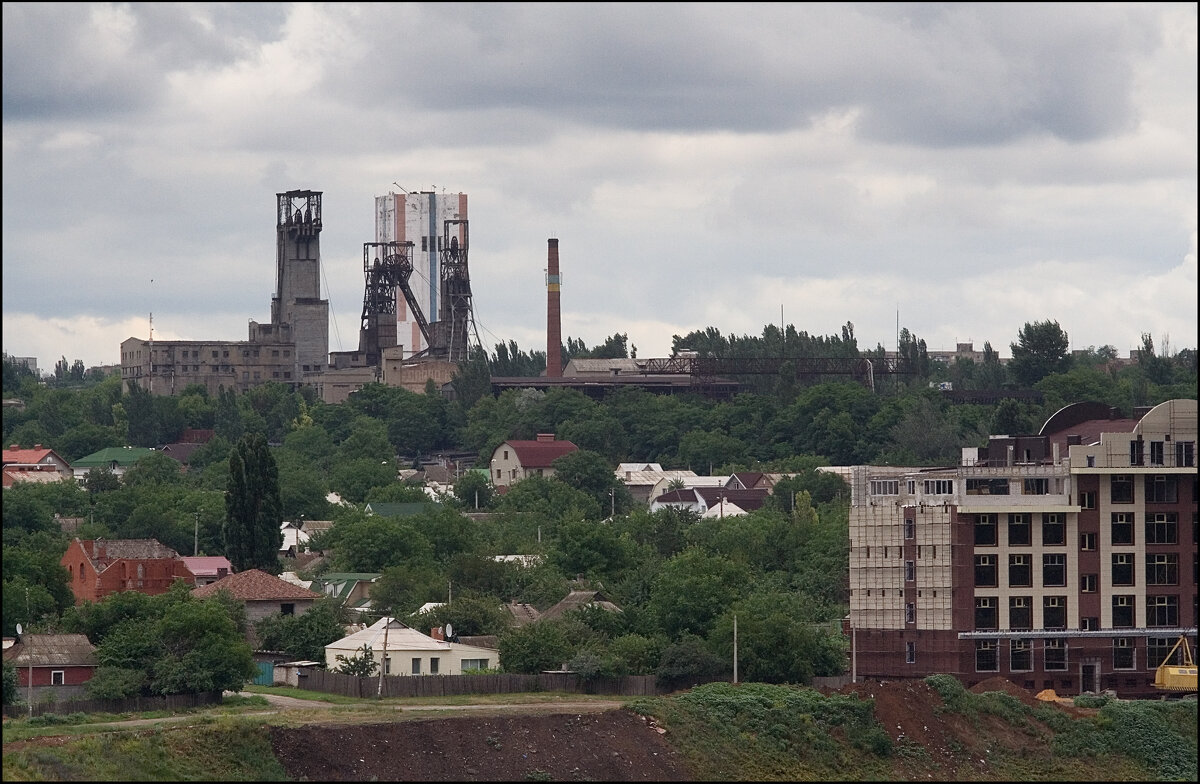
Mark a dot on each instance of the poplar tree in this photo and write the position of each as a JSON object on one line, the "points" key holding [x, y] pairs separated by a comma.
{"points": [[253, 511]]}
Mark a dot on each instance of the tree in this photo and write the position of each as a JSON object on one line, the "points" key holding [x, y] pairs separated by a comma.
{"points": [[253, 510], [361, 664], [303, 636], [693, 589], [543, 645], [1042, 348], [10, 682]]}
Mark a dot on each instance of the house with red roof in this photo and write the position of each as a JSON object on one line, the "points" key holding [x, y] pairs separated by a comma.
{"points": [[512, 461], [39, 464], [99, 567], [208, 568], [263, 594]]}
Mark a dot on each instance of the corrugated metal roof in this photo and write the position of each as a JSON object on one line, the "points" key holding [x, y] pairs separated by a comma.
{"points": [[52, 650]]}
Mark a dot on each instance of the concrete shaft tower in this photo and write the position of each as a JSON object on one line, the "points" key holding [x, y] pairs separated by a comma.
{"points": [[297, 303]]}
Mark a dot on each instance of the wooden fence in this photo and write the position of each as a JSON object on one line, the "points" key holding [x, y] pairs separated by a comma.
{"points": [[169, 702], [451, 685]]}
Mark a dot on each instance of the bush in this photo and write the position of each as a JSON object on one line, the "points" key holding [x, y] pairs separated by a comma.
{"points": [[116, 683]]}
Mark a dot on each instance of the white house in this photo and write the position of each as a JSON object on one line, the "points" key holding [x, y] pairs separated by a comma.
{"points": [[409, 652]]}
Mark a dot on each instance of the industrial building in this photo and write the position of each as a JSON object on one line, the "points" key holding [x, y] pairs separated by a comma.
{"points": [[1057, 560]]}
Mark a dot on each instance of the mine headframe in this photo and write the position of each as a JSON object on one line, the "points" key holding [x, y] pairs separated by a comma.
{"points": [[387, 267]]}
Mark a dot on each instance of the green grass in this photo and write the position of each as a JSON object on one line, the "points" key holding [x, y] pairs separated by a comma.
{"points": [[457, 699]]}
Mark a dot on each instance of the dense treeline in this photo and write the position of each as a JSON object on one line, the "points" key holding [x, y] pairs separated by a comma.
{"points": [[681, 580]]}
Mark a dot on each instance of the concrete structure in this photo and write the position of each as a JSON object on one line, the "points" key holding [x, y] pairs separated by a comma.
{"points": [[99, 567], [294, 343], [554, 366], [29, 362], [512, 461], [409, 652], [1056, 560], [59, 664]]}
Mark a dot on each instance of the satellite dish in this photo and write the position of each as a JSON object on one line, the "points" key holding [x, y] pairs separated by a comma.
{"points": [[449, 630], [20, 630]]}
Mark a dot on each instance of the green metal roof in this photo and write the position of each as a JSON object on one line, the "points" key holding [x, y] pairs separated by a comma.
{"points": [[121, 455]]}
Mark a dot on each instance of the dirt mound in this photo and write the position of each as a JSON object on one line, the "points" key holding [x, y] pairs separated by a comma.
{"points": [[1008, 687], [615, 745]]}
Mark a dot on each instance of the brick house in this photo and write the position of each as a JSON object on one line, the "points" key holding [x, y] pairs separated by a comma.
{"points": [[262, 593], [60, 663], [512, 461], [37, 464], [99, 567]]}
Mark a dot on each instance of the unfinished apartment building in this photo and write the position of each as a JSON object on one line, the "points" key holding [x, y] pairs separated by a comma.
{"points": [[1063, 560]]}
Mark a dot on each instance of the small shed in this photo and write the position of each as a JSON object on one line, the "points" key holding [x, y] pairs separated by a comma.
{"points": [[293, 673]]}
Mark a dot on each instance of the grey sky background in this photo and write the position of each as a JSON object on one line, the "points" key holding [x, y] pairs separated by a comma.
{"points": [[963, 168]]}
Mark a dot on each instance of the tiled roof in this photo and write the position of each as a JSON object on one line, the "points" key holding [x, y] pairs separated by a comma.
{"points": [[103, 552], [52, 650], [255, 585], [181, 451], [28, 456], [540, 454]]}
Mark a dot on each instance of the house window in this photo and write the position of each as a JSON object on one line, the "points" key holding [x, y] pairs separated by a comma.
{"points": [[1162, 610], [910, 612], [1087, 583], [1019, 526], [387, 665], [57, 677], [1123, 654], [287, 609], [1122, 528], [1054, 570], [986, 659], [1162, 569], [1054, 529], [1161, 528], [1019, 571], [505, 454], [1121, 489], [1087, 541], [416, 665], [1122, 612], [1020, 655], [910, 653], [1087, 500], [985, 571], [985, 530], [1056, 654], [433, 665], [499, 474], [474, 664], [1054, 612], [910, 571], [1036, 486], [1122, 569], [985, 613], [1020, 613], [1162, 490]]}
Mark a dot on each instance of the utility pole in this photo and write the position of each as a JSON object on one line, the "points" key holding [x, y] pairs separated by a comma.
{"points": [[383, 660], [196, 534], [735, 680], [29, 615]]}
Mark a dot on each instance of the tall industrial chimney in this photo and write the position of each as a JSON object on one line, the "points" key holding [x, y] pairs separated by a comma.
{"points": [[553, 314]]}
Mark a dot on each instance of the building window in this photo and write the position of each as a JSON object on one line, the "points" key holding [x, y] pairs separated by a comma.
{"points": [[1056, 654], [985, 613], [910, 529], [387, 665], [1020, 613], [416, 665], [287, 609], [910, 653], [1054, 612], [274, 352], [57, 677], [1036, 486], [1054, 570], [1087, 541], [910, 571], [986, 659], [1137, 452], [1020, 655], [1161, 528], [1162, 489], [1156, 453], [1122, 569], [474, 664], [433, 665], [1122, 612], [1087, 583], [1020, 572], [1185, 454], [939, 486], [910, 612], [1162, 610], [1157, 649], [1162, 569], [885, 487], [987, 486], [1121, 489], [1089, 624], [985, 530], [1019, 526], [1122, 528], [1123, 654], [1054, 529], [1087, 500], [985, 571]]}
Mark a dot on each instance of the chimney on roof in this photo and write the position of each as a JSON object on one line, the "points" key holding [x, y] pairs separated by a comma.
{"points": [[437, 633], [553, 313], [545, 436], [37, 446]]}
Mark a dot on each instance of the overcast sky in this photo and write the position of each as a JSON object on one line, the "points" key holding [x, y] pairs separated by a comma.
{"points": [[960, 168]]}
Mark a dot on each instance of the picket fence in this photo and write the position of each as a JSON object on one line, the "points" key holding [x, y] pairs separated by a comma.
{"points": [[451, 685], [168, 702]]}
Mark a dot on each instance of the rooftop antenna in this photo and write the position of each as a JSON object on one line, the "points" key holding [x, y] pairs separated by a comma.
{"points": [[401, 187]]}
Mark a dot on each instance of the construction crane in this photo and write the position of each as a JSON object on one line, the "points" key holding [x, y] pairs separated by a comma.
{"points": [[1179, 677]]}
